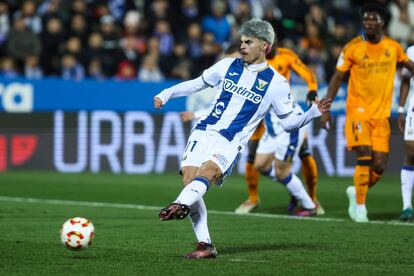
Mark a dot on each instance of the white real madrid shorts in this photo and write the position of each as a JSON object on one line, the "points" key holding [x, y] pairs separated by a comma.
{"points": [[285, 145]]}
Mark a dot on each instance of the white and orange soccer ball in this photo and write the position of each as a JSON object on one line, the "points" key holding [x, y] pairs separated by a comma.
{"points": [[77, 233]]}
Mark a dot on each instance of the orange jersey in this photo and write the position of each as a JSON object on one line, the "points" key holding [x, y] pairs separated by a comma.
{"points": [[372, 70], [285, 60]]}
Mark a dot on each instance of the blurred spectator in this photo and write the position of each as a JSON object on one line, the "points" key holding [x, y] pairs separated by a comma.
{"points": [[312, 39], [159, 10], [193, 40], [95, 69], [165, 37], [209, 51], [71, 68], [179, 64], [8, 68], [32, 70], [28, 14], [128, 50], [334, 51], [317, 17], [273, 15], [22, 42], [149, 70], [110, 41], [315, 63], [52, 36], [94, 49], [153, 46], [117, 8], [339, 35], [242, 12], [73, 46], [126, 71], [133, 29], [80, 7], [217, 23], [4, 24], [52, 9], [401, 26], [189, 14], [79, 28]]}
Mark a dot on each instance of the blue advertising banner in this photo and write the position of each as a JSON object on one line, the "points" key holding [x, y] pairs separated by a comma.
{"points": [[49, 95]]}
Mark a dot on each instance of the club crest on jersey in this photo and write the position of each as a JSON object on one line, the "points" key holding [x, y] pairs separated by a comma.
{"points": [[261, 84], [230, 86]]}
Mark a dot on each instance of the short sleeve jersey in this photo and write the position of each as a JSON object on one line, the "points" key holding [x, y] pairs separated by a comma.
{"points": [[286, 60], [372, 69], [244, 98], [410, 54]]}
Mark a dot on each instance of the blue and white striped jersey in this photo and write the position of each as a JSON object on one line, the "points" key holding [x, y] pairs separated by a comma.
{"points": [[245, 96]]}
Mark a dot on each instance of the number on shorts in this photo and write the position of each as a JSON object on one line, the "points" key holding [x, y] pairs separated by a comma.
{"points": [[191, 144]]}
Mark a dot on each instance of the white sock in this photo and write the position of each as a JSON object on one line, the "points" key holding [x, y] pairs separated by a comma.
{"points": [[198, 218], [295, 187], [407, 181], [193, 191]]}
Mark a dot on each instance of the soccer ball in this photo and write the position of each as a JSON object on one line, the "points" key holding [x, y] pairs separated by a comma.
{"points": [[77, 233]]}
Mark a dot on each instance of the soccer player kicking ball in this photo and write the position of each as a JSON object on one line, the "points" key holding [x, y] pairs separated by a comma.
{"points": [[406, 125], [249, 90], [371, 60]]}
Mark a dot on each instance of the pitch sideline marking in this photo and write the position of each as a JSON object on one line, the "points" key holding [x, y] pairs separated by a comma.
{"points": [[156, 208]]}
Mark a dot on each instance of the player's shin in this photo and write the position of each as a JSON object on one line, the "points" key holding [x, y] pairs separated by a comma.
{"points": [[361, 178], [374, 177], [295, 187], [198, 218], [194, 191], [407, 181], [310, 174], [252, 180]]}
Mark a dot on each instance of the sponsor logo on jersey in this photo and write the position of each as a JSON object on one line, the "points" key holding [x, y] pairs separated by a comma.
{"points": [[230, 86], [261, 84]]}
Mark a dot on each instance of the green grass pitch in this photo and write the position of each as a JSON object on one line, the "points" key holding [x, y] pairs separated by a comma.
{"points": [[130, 240]]}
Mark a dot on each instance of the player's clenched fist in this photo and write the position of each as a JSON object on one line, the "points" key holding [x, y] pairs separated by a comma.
{"points": [[157, 103]]}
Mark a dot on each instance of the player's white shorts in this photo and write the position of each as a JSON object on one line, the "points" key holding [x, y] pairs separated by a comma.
{"points": [[285, 145], [204, 145], [409, 127]]}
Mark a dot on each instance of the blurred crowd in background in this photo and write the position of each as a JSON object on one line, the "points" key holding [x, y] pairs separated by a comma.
{"points": [[153, 40]]}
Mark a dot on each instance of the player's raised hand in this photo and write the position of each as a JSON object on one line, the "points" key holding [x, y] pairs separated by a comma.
{"points": [[401, 122], [324, 104], [157, 103], [186, 116]]}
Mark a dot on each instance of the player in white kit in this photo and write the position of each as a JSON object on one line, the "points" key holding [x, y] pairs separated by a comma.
{"points": [[274, 155], [249, 90], [406, 125]]}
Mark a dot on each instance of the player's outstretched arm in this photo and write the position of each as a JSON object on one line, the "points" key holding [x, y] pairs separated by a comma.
{"points": [[333, 88], [294, 121], [180, 90]]}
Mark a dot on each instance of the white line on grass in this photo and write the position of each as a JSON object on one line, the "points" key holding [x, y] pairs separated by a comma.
{"points": [[156, 208]]}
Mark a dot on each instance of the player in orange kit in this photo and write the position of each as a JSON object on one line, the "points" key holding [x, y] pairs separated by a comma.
{"points": [[371, 60], [283, 60]]}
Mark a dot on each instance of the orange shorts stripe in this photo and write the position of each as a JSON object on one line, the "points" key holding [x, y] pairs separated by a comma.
{"points": [[367, 132]]}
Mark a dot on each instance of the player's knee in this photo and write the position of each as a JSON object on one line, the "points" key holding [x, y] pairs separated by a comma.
{"points": [[378, 166], [409, 158], [260, 166], [210, 171]]}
